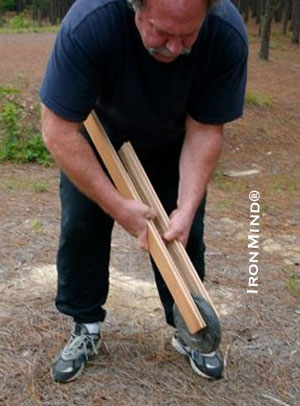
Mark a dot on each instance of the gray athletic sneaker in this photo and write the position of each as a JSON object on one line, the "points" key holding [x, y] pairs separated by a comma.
{"points": [[71, 360], [206, 365]]}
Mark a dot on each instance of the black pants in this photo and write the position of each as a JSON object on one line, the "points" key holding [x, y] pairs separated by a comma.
{"points": [[84, 245]]}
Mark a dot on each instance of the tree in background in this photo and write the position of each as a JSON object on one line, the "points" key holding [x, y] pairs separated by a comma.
{"points": [[7, 5], [20, 5], [266, 33], [287, 13], [295, 22], [284, 12]]}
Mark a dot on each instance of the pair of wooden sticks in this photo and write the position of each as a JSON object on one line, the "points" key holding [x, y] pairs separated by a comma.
{"points": [[171, 259]]}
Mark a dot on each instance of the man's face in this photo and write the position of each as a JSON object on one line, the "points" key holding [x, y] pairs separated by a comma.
{"points": [[169, 28]]}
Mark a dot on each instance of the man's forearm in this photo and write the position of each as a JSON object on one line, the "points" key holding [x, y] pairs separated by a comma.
{"points": [[75, 157], [200, 153], [199, 156]]}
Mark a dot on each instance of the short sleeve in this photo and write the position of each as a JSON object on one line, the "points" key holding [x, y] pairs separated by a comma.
{"points": [[72, 76], [219, 96]]}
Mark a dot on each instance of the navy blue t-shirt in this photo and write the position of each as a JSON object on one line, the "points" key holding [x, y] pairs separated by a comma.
{"points": [[99, 62]]}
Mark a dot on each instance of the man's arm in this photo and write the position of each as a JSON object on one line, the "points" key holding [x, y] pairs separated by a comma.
{"points": [[76, 158], [199, 156]]}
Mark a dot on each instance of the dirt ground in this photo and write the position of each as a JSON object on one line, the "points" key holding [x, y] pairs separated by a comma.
{"points": [[136, 365]]}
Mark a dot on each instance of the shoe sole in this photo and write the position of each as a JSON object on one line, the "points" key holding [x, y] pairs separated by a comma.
{"points": [[175, 344], [79, 370], [72, 377]]}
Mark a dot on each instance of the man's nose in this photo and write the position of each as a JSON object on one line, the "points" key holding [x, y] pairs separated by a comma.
{"points": [[174, 45]]}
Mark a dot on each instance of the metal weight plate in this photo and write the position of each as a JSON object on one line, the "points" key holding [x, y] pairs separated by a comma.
{"points": [[207, 339]]}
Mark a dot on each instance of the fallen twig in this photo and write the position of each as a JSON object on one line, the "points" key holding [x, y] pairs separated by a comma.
{"points": [[279, 402]]}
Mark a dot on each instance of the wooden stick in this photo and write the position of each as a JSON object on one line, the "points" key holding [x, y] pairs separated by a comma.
{"points": [[149, 197], [171, 275]]}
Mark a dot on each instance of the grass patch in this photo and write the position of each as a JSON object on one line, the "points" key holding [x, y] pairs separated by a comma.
{"points": [[6, 91], [224, 205], [40, 187], [253, 38], [293, 285], [19, 142], [265, 208], [36, 225], [230, 184], [258, 99], [284, 183], [35, 186], [33, 29], [274, 44]]}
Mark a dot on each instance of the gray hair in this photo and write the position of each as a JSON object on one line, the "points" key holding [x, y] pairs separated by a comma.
{"points": [[138, 4]]}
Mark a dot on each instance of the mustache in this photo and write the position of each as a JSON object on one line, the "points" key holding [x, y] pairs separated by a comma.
{"points": [[164, 51]]}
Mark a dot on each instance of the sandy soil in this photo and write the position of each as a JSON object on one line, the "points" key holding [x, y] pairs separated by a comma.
{"points": [[136, 365]]}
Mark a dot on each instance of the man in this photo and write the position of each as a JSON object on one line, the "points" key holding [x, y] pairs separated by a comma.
{"points": [[166, 75]]}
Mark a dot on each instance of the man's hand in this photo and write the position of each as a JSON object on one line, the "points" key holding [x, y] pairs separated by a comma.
{"points": [[179, 227], [133, 216]]}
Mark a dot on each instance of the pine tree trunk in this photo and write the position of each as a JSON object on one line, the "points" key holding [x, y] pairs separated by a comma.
{"points": [[296, 22], [291, 28], [286, 15], [278, 11], [262, 11], [266, 34], [253, 6], [246, 11], [53, 12], [20, 5], [258, 11]]}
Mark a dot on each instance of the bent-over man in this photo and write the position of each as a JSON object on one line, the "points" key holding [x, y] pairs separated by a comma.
{"points": [[165, 75]]}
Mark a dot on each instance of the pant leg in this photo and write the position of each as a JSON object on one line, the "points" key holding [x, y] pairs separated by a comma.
{"points": [[83, 256], [163, 171]]}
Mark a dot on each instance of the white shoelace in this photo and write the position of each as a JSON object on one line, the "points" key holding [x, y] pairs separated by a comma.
{"points": [[78, 345]]}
